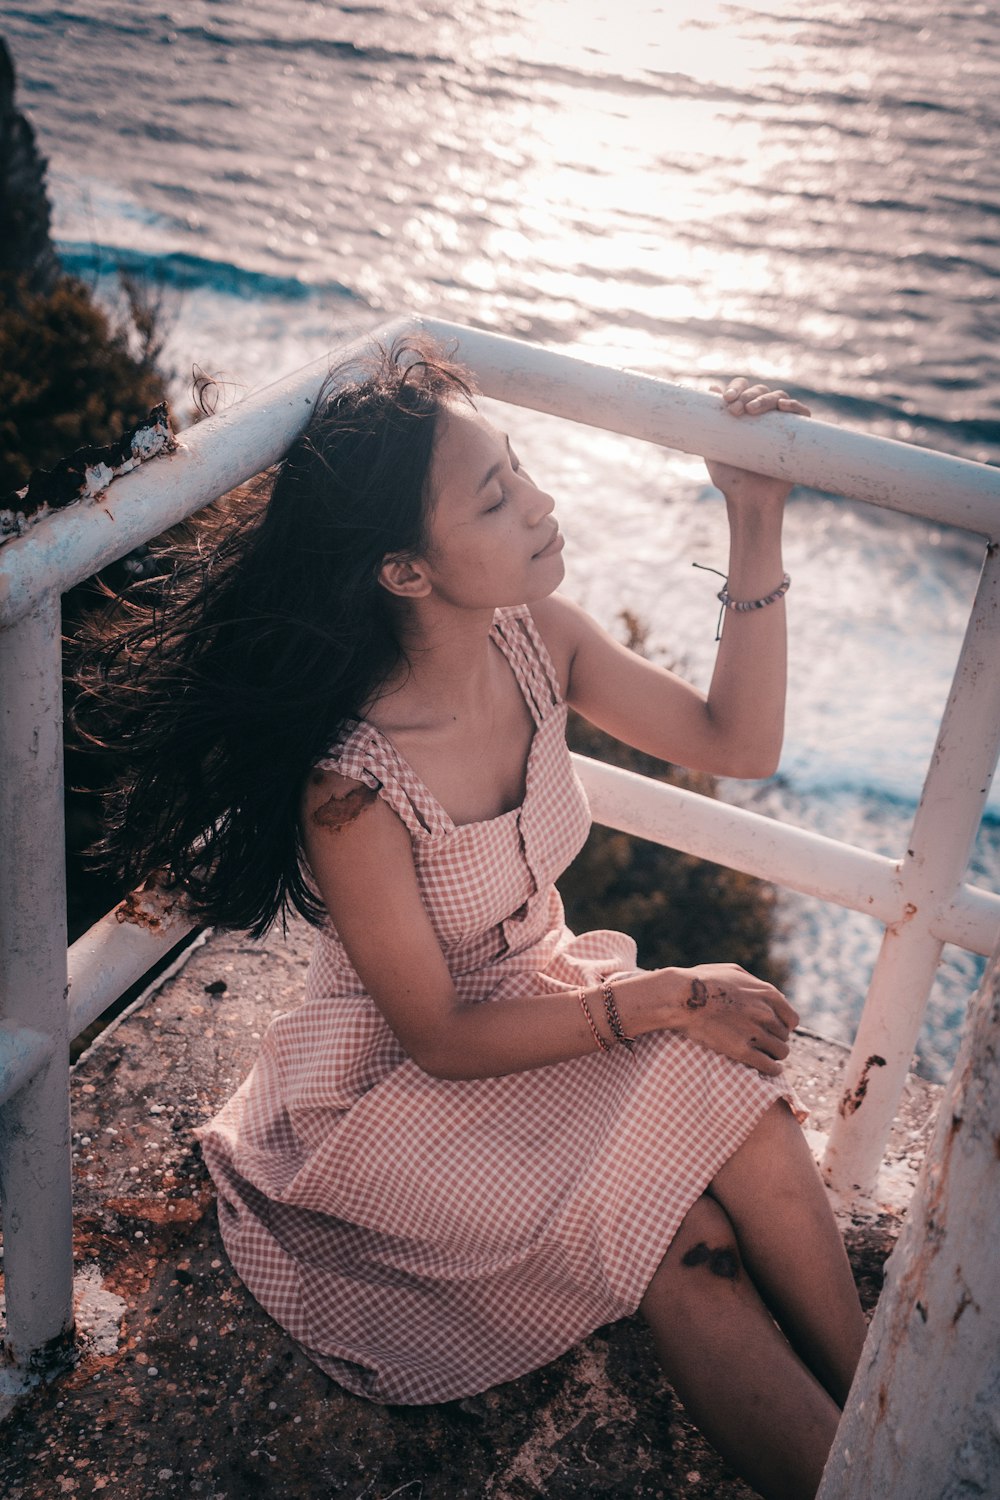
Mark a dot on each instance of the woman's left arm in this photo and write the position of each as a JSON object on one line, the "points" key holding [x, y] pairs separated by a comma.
{"points": [[736, 729]]}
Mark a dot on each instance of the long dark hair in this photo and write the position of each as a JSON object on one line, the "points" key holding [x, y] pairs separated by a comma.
{"points": [[216, 687]]}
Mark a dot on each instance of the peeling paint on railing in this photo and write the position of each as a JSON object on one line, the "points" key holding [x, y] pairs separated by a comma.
{"points": [[852, 1099], [156, 908], [921, 1421], [86, 474]]}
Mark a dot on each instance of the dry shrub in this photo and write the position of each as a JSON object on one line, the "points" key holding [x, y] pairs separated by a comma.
{"points": [[70, 375]]}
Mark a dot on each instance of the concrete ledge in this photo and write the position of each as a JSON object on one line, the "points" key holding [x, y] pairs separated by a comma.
{"points": [[184, 1386]]}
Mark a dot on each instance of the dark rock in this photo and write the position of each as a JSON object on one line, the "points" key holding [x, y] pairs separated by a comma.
{"points": [[26, 249]]}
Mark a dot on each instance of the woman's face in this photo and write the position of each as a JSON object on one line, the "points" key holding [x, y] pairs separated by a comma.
{"points": [[493, 538]]}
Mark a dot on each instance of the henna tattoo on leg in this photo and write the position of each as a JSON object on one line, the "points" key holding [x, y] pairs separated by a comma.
{"points": [[723, 1262]]}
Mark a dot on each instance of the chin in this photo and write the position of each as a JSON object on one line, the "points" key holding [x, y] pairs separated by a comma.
{"points": [[547, 584]]}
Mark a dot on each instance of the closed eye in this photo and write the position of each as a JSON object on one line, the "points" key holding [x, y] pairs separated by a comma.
{"points": [[516, 468]]}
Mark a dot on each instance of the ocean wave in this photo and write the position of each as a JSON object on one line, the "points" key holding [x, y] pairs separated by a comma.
{"points": [[867, 788], [183, 270], [873, 412], [318, 47], [163, 28]]}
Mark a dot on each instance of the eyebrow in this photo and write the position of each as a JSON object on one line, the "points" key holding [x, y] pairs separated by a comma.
{"points": [[494, 469]]}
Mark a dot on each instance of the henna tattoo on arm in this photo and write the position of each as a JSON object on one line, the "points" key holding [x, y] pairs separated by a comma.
{"points": [[336, 812]]}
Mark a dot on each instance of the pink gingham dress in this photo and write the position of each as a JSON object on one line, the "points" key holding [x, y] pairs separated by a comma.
{"points": [[424, 1238]]}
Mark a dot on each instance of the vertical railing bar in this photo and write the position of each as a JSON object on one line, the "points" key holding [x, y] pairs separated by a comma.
{"points": [[920, 1421], [944, 830], [35, 1181]]}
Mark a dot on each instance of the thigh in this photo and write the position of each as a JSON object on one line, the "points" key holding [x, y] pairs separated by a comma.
{"points": [[704, 1243]]}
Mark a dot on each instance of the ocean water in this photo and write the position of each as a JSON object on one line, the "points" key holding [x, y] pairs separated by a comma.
{"points": [[692, 189]]}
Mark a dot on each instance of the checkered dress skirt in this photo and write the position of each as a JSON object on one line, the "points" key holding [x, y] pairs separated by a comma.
{"points": [[424, 1238]]}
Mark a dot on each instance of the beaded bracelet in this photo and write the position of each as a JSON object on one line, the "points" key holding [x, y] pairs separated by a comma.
{"points": [[743, 606], [582, 997]]}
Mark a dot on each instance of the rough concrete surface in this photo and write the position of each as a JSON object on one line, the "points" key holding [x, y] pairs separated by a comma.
{"points": [[184, 1386]]}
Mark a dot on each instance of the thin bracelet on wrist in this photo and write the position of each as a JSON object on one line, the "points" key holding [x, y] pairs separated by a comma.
{"points": [[743, 606], [581, 995]]}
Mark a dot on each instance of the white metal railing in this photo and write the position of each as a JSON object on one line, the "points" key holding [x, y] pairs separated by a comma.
{"points": [[49, 995]]}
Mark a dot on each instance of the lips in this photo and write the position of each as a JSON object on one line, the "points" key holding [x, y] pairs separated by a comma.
{"points": [[553, 545]]}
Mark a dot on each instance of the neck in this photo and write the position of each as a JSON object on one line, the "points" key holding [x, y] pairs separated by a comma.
{"points": [[446, 673]]}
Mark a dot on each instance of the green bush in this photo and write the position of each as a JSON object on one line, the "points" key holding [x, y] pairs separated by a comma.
{"points": [[680, 910], [70, 376]]}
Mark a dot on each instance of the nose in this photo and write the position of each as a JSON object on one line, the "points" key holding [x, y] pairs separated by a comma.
{"points": [[540, 503]]}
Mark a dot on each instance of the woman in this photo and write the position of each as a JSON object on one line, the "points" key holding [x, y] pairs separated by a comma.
{"points": [[481, 1136]]}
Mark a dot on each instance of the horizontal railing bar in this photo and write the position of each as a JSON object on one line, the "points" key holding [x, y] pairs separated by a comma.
{"points": [[22, 1053], [894, 475], [748, 841], [156, 982], [233, 446], [113, 955], [211, 458], [971, 920], [807, 862]]}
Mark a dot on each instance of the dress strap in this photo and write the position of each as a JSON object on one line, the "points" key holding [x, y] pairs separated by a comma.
{"points": [[518, 638], [365, 755]]}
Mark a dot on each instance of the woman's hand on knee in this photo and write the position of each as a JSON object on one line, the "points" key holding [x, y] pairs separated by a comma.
{"points": [[734, 1013]]}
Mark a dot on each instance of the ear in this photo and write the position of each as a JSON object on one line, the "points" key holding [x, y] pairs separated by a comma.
{"points": [[405, 577]]}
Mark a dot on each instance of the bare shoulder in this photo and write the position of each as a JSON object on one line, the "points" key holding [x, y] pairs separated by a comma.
{"points": [[352, 839], [343, 821], [330, 800]]}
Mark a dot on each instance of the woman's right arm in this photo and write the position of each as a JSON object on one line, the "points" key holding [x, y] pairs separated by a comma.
{"points": [[362, 863]]}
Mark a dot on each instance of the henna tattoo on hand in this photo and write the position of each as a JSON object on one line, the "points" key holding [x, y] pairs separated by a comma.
{"points": [[701, 994], [698, 996]]}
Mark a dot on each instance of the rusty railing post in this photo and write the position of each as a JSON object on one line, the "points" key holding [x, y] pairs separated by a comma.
{"points": [[944, 830], [921, 1420]]}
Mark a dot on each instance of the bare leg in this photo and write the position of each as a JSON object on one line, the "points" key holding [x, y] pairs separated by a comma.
{"points": [[789, 1239], [727, 1360]]}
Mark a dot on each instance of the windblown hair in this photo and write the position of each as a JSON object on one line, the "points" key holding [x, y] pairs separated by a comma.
{"points": [[216, 687]]}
